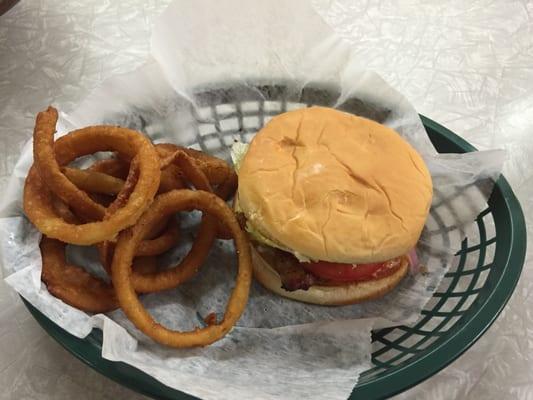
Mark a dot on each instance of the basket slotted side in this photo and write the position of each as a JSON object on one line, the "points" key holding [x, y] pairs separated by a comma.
{"points": [[466, 303]]}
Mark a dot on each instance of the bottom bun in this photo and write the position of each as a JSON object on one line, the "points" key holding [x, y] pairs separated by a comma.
{"points": [[328, 295]]}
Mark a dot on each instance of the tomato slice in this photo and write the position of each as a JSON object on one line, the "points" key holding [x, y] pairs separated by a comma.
{"points": [[338, 272]]}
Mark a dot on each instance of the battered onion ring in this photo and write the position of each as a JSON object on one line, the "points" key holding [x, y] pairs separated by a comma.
{"points": [[106, 183], [170, 179], [168, 203], [215, 169], [63, 211], [103, 199], [104, 248], [91, 180], [207, 164], [50, 171], [170, 174], [125, 192], [73, 284], [145, 264], [111, 166], [37, 199], [227, 188], [189, 266], [94, 182], [225, 191], [148, 247], [164, 242]]}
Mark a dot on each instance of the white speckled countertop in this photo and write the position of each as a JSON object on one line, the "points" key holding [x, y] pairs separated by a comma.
{"points": [[467, 65]]}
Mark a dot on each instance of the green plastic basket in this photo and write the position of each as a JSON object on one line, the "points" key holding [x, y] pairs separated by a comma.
{"points": [[467, 302]]}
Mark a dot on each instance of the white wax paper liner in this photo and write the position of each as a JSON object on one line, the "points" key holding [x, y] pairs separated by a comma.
{"points": [[280, 349]]}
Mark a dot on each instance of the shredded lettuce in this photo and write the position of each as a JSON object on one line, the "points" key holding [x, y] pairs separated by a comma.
{"points": [[238, 151]]}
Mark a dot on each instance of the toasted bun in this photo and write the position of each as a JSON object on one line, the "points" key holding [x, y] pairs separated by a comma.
{"points": [[335, 187], [328, 295]]}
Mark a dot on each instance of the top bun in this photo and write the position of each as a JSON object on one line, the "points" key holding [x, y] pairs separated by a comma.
{"points": [[335, 187]]}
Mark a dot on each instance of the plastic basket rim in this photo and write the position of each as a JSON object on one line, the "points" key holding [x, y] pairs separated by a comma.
{"points": [[88, 350]]}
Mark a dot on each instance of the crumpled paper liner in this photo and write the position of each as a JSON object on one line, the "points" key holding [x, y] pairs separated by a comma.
{"points": [[280, 348]]}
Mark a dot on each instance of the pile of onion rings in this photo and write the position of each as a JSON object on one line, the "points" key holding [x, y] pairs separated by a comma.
{"points": [[126, 206]]}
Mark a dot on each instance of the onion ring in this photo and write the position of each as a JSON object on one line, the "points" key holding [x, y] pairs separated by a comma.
{"points": [[225, 191], [107, 176], [170, 179], [125, 192], [215, 169], [164, 242], [170, 174], [168, 203], [93, 182], [122, 197], [111, 166], [145, 264], [190, 264], [102, 199], [73, 284], [96, 178], [228, 187], [226, 180], [148, 247], [104, 183], [64, 211], [45, 160], [37, 199], [77, 287]]}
